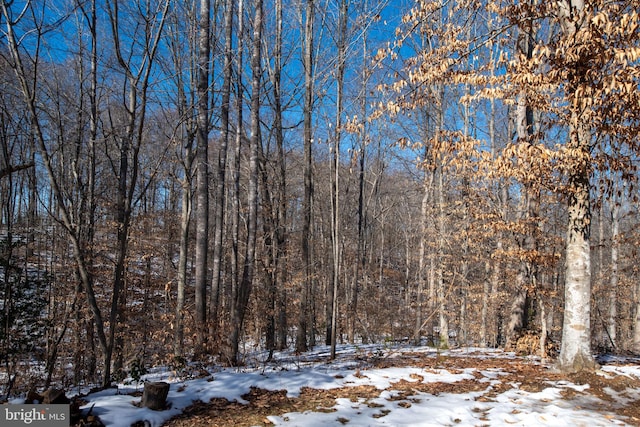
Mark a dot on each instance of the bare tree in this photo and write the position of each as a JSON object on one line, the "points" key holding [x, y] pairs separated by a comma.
{"points": [[304, 317], [183, 17], [27, 86], [129, 143], [336, 218], [222, 158], [237, 152], [240, 299], [202, 173], [275, 203]]}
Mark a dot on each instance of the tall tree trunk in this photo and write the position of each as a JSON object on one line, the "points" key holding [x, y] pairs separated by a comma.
{"points": [[360, 264], [136, 84], [441, 296], [93, 138], [123, 220], [305, 311], [599, 268], [443, 316], [422, 251], [185, 220], [612, 323], [417, 331], [490, 283], [521, 304], [270, 262], [183, 79], [202, 176], [222, 166], [276, 205], [281, 227], [235, 171], [87, 232], [241, 298], [575, 350], [337, 235], [466, 224]]}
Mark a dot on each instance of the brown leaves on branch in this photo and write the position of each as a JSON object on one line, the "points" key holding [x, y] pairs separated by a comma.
{"points": [[593, 73]]}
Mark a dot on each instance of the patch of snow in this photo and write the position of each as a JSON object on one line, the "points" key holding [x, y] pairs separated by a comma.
{"points": [[514, 407]]}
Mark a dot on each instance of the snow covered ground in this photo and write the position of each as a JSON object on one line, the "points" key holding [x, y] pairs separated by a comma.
{"points": [[507, 406]]}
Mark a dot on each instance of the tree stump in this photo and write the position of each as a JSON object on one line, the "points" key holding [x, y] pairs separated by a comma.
{"points": [[155, 395], [33, 397], [55, 396]]}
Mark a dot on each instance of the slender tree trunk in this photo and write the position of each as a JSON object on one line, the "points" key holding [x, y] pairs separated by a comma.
{"points": [[241, 298], [275, 221], [441, 288], [337, 235], [269, 224], [136, 84], [465, 193], [202, 176], [231, 288], [359, 265], [305, 311], [521, 304], [484, 310], [613, 281], [185, 221], [544, 329], [88, 234], [222, 166], [281, 228], [441, 291], [118, 302], [520, 301], [599, 268], [422, 253], [490, 283], [183, 79]]}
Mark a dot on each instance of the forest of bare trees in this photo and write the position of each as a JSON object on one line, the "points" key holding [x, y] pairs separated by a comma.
{"points": [[197, 180]]}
